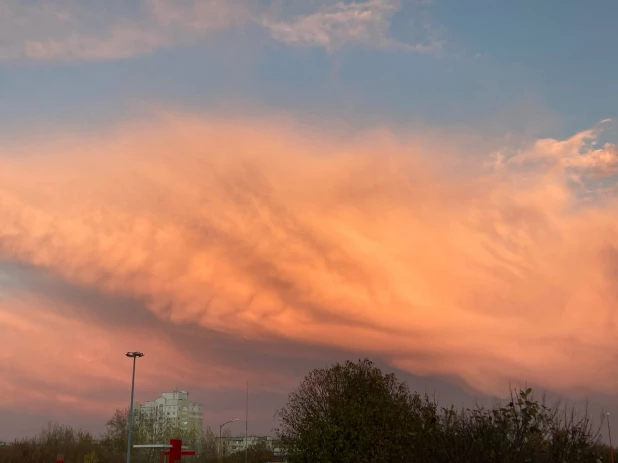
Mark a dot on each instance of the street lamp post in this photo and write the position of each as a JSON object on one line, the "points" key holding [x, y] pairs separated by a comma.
{"points": [[221, 436], [611, 447], [134, 356]]}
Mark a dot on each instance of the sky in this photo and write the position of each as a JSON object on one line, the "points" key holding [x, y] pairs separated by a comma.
{"points": [[246, 190]]}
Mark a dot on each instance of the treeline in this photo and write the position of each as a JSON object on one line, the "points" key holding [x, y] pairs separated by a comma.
{"points": [[353, 413], [79, 446]]}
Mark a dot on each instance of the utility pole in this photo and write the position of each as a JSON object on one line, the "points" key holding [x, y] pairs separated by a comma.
{"points": [[221, 435], [247, 426], [134, 356], [611, 448]]}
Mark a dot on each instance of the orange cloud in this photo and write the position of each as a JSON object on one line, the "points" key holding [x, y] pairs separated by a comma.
{"points": [[264, 230], [49, 358], [579, 155]]}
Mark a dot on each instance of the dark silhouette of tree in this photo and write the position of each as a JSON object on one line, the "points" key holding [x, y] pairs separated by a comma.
{"points": [[353, 413], [256, 453], [524, 430], [56, 439], [114, 438]]}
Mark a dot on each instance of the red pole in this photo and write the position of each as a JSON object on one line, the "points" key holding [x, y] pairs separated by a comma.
{"points": [[176, 450]]}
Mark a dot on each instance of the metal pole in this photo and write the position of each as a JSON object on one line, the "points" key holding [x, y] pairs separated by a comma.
{"points": [[134, 356], [247, 426], [611, 448], [220, 434], [220, 442], [131, 413]]}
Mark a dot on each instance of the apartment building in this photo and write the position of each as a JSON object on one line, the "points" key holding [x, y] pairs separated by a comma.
{"points": [[174, 410]]}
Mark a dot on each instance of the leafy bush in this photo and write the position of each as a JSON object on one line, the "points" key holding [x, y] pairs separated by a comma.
{"points": [[355, 413]]}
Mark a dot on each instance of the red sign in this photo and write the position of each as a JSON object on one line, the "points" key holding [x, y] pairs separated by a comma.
{"points": [[176, 452]]}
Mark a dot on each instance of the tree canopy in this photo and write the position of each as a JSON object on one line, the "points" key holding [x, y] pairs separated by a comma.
{"points": [[79, 446], [353, 412]]}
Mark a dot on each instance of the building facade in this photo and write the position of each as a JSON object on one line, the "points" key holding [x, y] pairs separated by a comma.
{"points": [[173, 410], [238, 444], [234, 444]]}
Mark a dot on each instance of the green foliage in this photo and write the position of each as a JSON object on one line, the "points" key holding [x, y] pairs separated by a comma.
{"points": [[208, 446], [56, 439], [355, 413], [257, 453], [78, 446], [524, 430], [352, 413]]}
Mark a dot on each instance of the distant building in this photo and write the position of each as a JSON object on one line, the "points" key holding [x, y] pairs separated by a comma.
{"points": [[173, 410], [237, 444]]}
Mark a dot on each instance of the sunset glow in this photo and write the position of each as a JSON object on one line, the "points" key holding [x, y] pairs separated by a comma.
{"points": [[443, 251]]}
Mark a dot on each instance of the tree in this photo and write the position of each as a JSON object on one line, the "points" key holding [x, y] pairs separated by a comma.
{"points": [[116, 428], [53, 440], [256, 453], [522, 431], [353, 413], [147, 429], [207, 447], [91, 457]]}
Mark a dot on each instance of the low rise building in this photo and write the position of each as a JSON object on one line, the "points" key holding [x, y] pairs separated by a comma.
{"points": [[238, 444]]}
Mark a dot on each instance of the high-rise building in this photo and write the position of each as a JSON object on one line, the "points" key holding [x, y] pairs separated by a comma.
{"points": [[173, 410]]}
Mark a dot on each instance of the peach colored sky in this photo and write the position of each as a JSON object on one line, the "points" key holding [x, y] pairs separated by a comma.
{"points": [[248, 189], [263, 230]]}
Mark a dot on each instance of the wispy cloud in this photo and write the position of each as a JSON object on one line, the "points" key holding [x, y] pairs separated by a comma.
{"points": [[335, 26], [268, 233], [65, 30], [58, 353], [580, 157]]}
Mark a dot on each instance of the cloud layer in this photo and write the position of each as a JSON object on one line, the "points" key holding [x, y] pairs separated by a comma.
{"points": [[55, 355], [266, 231], [334, 26], [65, 30]]}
